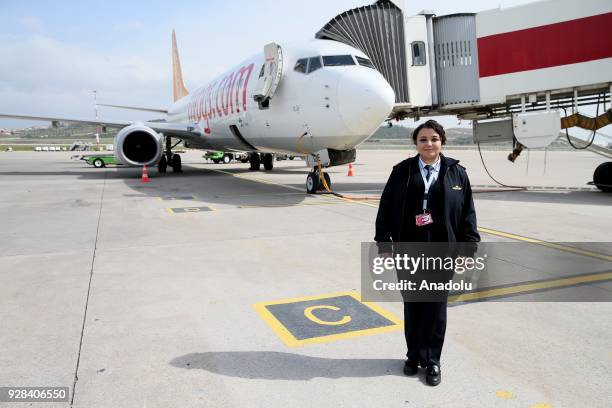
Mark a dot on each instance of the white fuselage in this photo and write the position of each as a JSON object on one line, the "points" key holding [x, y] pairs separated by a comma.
{"points": [[333, 107]]}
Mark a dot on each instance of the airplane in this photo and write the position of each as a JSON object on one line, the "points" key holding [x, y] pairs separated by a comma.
{"points": [[318, 99]]}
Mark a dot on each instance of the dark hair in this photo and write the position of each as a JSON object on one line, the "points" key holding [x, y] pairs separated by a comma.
{"points": [[430, 124]]}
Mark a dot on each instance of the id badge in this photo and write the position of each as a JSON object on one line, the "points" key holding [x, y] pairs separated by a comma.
{"points": [[423, 219]]}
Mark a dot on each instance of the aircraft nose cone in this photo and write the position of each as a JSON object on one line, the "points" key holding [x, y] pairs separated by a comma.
{"points": [[365, 100]]}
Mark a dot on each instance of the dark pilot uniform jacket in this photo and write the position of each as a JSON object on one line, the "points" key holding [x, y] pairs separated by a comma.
{"points": [[453, 212]]}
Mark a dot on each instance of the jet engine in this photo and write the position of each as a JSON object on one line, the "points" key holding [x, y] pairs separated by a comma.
{"points": [[138, 145]]}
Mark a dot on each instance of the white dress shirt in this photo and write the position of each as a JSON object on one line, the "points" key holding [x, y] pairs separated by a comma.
{"points": [[434, 172]]}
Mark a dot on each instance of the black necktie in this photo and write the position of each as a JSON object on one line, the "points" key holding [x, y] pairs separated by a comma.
{"points": [[428, 170]]}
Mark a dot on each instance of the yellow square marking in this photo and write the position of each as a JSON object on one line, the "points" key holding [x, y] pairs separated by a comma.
{"points": [[291, 341]]}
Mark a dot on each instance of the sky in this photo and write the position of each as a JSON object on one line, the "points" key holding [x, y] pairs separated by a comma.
{"points": [[53, 54]]}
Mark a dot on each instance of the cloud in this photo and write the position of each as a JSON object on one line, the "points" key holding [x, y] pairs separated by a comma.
{"points": [[33, 24], [41, 75]]}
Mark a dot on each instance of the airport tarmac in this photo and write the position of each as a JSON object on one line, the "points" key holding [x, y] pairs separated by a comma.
{"points": [[164, 294]]}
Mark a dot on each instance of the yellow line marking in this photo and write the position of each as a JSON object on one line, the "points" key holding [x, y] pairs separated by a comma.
{"points": [[529, 287], [541, 405], [170, 210], [503, 394], [508, 235], [351, 201], [255, 179], [291, 341], [552, 245], [289, 205], [258, 194]]}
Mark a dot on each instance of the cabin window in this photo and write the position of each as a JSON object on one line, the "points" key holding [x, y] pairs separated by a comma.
{"points": [[418, 53], [338, 60], [365, 62]]}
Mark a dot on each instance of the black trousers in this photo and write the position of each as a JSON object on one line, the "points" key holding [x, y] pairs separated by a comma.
{"points": [[424, 328]]}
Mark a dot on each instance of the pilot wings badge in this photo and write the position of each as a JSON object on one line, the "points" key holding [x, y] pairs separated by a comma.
{"points": [[457, 187]]}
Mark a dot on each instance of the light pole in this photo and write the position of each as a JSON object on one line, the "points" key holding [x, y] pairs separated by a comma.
{"points": [[97, 124]]}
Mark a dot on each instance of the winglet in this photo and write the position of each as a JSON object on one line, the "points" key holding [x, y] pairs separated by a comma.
{"points": [[178, 86]]}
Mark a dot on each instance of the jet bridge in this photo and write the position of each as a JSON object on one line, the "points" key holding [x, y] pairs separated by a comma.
{"points": [[537, 56], [378, 31]]}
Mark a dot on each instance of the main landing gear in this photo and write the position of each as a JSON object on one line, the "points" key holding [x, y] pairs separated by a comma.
{"points": [[256, 159], [314, 183], [169, 158]]}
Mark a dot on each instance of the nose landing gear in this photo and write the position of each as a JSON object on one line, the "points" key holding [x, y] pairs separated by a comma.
{"points": [[314, 182]]}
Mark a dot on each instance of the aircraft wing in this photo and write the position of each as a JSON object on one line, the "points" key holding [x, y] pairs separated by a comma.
{"points": [[134, 108], [111, 124], [178, 130]]}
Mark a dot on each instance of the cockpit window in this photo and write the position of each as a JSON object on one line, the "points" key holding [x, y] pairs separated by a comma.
{"points": [[301, 65], [314, 63], [365, 62], [308, 65], [338, 60]]}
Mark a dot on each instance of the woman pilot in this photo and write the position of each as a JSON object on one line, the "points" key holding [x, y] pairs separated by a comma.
{"points": [[427, 198]]}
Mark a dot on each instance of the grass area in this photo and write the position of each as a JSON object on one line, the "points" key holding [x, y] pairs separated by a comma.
{"points": [[31, 147], [18, 148]]}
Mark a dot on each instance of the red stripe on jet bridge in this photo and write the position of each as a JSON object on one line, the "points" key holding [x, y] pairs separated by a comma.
{"points": [[568, 42]]}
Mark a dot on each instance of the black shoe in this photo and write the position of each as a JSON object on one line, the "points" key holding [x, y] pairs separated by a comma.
{"points": [[434, 375], [411, 367]]}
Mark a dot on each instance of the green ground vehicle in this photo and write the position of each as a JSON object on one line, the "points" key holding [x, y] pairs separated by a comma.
{"points": [[225, 157], [101, 160]]}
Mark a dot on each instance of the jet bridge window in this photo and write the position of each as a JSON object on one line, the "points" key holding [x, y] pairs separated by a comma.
{"points": [[338, 60], [365, 62], [301, 65], [418, 53]]}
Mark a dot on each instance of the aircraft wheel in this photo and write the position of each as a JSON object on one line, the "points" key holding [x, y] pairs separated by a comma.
{"points": [[162, 165], [312, 182], [226, 158], [177, 166], [98, 163], [268, 161], [255, 161], [602, 177]]}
